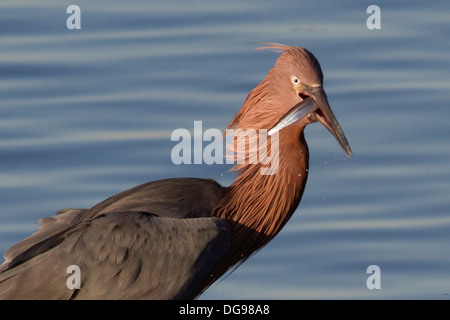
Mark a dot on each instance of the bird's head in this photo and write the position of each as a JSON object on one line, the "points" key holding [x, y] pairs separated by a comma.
{"points": [[299, 71], [291, 94]]}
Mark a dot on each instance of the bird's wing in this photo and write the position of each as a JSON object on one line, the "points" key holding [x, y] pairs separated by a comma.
{"points": [[42, 239], [122, 255], [177, 198]]}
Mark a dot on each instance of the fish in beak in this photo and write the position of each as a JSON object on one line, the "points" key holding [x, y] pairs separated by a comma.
{"points": [[316, 105]]}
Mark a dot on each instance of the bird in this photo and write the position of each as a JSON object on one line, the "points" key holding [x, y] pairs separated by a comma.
{"points": [[171, 239]]}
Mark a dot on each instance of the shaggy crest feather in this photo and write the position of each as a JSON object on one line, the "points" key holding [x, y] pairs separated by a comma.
{"points": [[275, 47]]}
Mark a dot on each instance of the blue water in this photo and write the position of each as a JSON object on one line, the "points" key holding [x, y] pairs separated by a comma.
{"points": [[85, 114]]}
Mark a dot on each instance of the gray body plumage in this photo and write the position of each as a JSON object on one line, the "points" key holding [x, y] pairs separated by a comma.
{"points": [[155, 241]]}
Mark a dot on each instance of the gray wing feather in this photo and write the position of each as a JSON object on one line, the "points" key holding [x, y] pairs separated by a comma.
{"points": [[122, 255], [177, 198], [41, 239]]}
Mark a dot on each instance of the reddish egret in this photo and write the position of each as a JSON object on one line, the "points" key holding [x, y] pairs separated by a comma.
{"points": [[171, 239]]}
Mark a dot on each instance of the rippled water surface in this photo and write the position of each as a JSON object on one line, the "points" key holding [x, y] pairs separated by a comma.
{"points": [[85, 114]]}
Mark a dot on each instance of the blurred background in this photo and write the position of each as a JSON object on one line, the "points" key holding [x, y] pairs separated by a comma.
{"points": [[85, 114]]}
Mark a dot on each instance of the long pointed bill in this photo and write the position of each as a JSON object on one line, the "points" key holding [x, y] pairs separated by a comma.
{"points": [[327, 118]]}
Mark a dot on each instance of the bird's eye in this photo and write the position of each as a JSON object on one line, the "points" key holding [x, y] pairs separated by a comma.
{"points": [[295, 80]]}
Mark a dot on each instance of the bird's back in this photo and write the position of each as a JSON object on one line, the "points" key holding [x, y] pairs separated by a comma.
{"points": [[156, 240]]}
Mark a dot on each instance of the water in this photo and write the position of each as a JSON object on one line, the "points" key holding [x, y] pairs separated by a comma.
{"points": [[87, 113]]}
